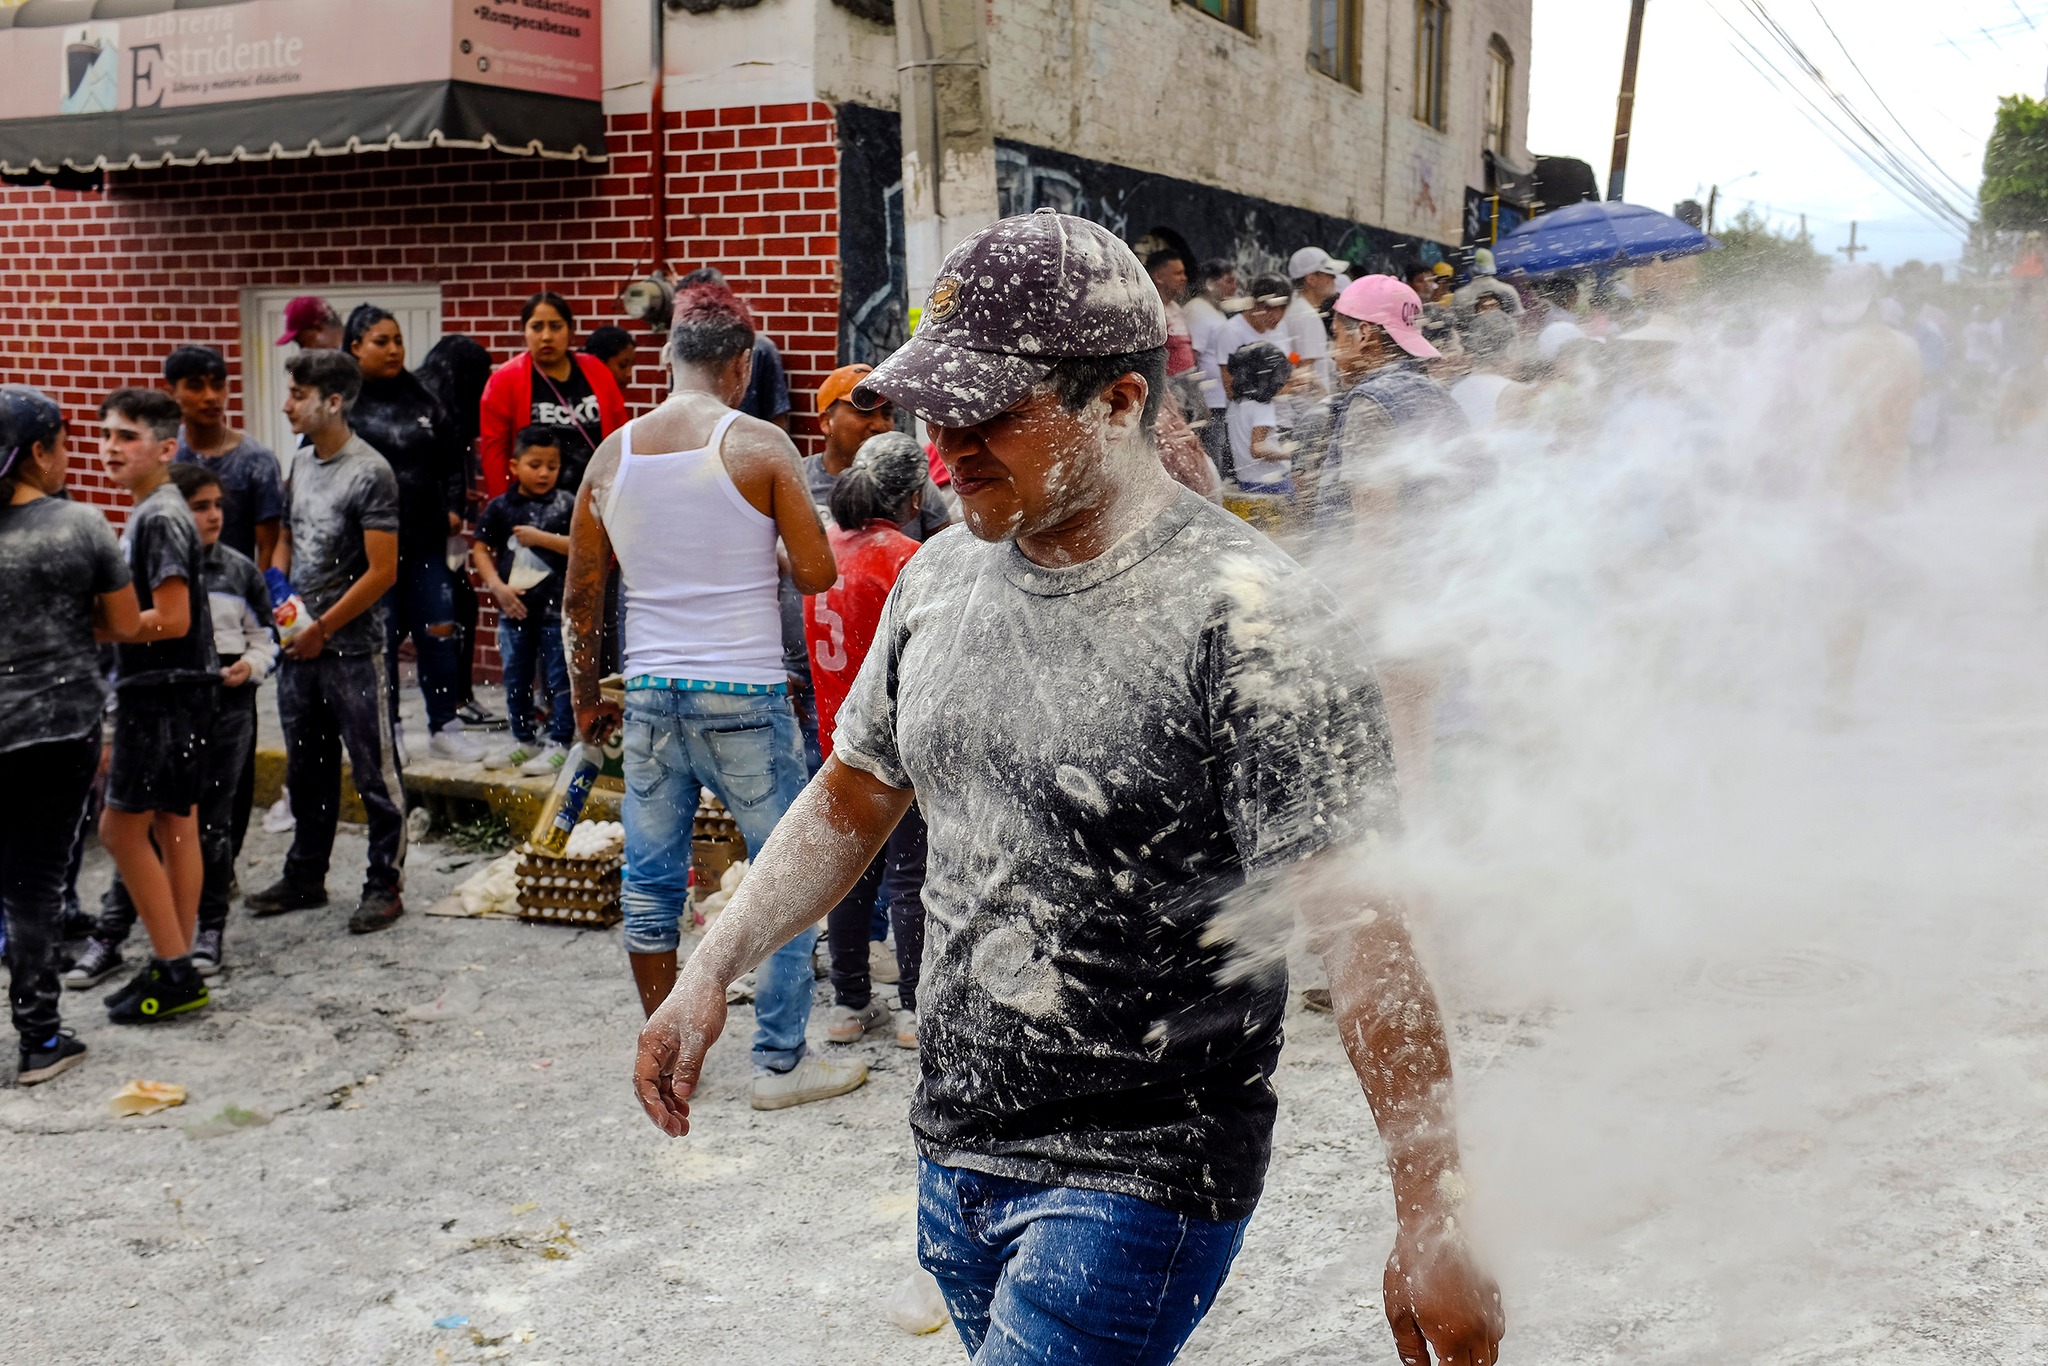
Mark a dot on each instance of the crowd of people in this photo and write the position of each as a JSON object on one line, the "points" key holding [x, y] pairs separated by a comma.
{"points": [[941, 743]]}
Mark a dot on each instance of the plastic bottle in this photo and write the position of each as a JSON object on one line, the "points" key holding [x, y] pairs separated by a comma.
{"points": [[287, 609], [564, 806]]}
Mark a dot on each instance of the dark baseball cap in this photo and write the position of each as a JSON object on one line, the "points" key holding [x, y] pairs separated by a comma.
{"points": [[26, 417], [1010, 302]]}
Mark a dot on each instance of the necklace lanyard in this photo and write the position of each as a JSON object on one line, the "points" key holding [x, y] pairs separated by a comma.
{"points": [[567, 407]]}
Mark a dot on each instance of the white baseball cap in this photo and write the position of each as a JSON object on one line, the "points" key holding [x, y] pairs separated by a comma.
{"points": [[1312, 261]]}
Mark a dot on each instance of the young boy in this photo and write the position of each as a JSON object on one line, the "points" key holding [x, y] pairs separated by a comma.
{"points": [[534, 513], [239, 606], [252, 489], [164, 687], [341, 552]]}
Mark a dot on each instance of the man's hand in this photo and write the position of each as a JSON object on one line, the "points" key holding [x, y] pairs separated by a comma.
{"points": [[509, 603], [672, 1047], [308, 643], [235, 674], [1439, 1299], [597, 721]]}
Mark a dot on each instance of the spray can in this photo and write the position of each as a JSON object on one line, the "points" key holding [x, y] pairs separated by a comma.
{"points": [[564, 806], [287, 609]]}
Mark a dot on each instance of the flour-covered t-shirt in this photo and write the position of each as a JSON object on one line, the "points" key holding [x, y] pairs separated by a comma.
{"points": [[1104, 755], [333, 502], [56, 558]]}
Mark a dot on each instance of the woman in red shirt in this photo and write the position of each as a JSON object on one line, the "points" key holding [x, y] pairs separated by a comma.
{"points": [[883, 487], [553, 385]]}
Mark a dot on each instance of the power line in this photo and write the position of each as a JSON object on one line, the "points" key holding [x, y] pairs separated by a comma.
{"points": [[1857, 67]]}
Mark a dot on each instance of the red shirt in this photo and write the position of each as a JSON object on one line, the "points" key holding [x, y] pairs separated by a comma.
{"points": [[840, 624]]}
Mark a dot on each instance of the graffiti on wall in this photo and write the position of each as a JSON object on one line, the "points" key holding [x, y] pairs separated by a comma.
{"points": [[1146, 210]]}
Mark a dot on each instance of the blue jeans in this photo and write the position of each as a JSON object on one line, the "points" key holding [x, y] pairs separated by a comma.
{"points": [[424, 599], [522, 644], [745, 748], [1059, 1276]]}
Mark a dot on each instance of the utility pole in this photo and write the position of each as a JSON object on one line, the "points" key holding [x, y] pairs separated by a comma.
{"points": [[1625, 105], [1852, 250], [949, 150], [1712, 196]]}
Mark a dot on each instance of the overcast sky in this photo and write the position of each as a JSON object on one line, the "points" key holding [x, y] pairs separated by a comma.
{"points": [[1704, 115]]}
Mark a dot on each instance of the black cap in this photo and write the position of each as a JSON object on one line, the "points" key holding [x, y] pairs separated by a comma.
{"points": [[1011, 301], [26, 417]]}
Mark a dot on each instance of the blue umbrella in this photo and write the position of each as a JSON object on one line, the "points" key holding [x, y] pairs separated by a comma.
{"points": [[1597, 233]]}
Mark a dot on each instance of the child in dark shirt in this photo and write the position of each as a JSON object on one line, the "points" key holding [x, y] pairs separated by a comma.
{"points": [[532, 515]]}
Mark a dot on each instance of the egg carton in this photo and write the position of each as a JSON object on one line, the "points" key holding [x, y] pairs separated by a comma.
{"points": [[569, 891]]}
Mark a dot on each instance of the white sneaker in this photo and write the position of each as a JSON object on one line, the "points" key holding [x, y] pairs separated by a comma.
{"points": [[452, 745], [809, 1080], [882, 963], [546, 762], [906, 1029], [513, 755], [278, 818], [844, 1024]]}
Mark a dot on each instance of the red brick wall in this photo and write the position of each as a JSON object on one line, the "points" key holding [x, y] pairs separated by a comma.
{"points": [[95, 288]]}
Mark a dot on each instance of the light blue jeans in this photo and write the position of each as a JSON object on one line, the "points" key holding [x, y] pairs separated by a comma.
{"points": [[746, 749]]}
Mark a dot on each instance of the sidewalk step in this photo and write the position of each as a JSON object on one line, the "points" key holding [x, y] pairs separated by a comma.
{"points": [[455, 792]]}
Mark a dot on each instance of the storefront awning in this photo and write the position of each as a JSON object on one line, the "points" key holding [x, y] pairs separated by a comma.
{"points": [[112, 84]]}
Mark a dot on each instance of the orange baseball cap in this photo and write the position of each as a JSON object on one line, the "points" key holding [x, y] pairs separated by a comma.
{"points": [[838, 386]]}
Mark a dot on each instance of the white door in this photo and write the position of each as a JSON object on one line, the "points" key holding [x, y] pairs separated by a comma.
{"points": [[417, 308]]}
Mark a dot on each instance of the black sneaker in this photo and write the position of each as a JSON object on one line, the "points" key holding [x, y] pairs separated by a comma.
{"points": [[159, 995], [96, 962], [474, 713], [206, 952], [40, 1064], [377, 910], [284, 895], [77, 924]]}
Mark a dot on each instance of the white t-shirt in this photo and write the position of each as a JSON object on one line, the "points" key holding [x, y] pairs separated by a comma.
{"points": [[1237, 332], [1239, 422], [1205, 322]]}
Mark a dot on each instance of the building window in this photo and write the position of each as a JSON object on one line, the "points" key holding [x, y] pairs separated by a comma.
{"points": [[1500, 94], [1432, 54], [1236, 13], [1333, 27]]}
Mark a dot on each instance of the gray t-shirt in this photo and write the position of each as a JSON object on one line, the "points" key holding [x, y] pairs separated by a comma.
{"points": [[932, 513], [1104, 755], [161, 543], [56, 557], [333, 503]]}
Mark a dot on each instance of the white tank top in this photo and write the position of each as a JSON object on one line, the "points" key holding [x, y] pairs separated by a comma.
{"points": [[698, 561]]}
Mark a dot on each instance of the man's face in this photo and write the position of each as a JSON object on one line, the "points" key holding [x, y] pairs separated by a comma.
{"points": [[1355, 350], [133, 457], [1171, 280], [203, 399], [847, 427], [307, 409], [1266, 316], [1424, 285], [1032, 466], [1222, 287], [324, 336], [1318, 285], [206, 513]]}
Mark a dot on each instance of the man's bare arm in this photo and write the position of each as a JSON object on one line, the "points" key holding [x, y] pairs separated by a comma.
{"points": [[818, 851], [1436, 1294], [590, 564]]}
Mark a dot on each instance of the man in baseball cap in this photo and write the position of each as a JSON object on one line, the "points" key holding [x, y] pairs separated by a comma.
{"points": [[1142, 739], [312, 322], [847, 427]]}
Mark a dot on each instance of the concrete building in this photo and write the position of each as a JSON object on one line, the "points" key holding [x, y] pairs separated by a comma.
{"points": [[206, 161]]}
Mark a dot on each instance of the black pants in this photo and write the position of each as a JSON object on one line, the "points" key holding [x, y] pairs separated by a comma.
{"points": [[328, 705], [42, 790], [230, 748], [897, 873]]}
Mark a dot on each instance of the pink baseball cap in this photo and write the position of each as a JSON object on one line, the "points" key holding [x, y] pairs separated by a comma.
{"points": [[1384, 300]]}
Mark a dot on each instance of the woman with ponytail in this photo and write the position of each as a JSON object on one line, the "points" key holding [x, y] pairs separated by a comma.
{"points": [[62, 578], [881, 489]]}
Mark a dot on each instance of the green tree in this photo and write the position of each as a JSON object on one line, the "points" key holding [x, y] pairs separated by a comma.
{"points": [[2014, 195], [1753, 253]]}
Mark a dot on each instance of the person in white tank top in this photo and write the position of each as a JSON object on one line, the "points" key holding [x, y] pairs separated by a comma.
{"points": [[694, 499]]}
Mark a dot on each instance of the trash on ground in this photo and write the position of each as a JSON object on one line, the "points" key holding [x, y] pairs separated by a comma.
{"points": [[452, 1321], [140, 1097], [230, 1118], [916, 1306]]}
